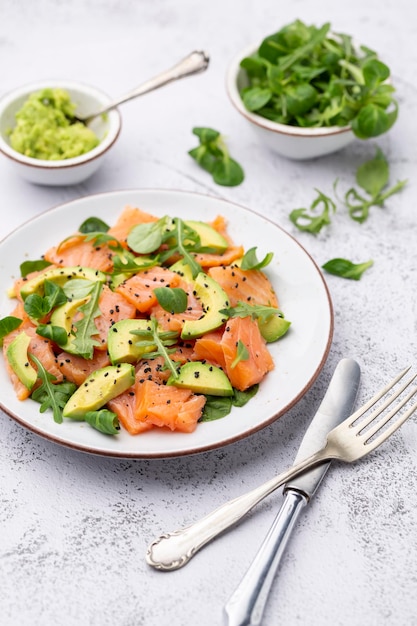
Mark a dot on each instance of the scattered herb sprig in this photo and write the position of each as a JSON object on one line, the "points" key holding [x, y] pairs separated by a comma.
{"points": [[346, 269], [373, 177], [213, 156], [308, 220]]}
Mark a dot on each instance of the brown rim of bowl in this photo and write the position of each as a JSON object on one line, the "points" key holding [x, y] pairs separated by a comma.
{"points": [[231, 439], [62, 164]]}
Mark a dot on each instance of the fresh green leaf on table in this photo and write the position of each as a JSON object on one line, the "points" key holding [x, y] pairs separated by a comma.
{"points": [[213, 156], [373, 177], [346, 269], [306, 220]]}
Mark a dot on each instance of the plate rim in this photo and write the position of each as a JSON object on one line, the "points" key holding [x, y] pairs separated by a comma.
{"points": [[86, 448]]}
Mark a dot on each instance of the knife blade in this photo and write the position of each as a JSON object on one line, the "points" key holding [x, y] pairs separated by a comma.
{"points": [[246, 605]]}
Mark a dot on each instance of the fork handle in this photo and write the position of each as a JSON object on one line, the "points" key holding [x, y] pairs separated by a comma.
{"points": [[172, 550], [246, 605]]}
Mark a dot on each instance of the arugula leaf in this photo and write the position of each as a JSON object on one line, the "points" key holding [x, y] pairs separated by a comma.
{"points": [[7, 324], [161, 340], [242, 354], [250, 260], [172, 299], [255, 311], [85, 328], [51, 396], [213, 156], [103, 420], [309, 222], [309, 77], [346, 269]]}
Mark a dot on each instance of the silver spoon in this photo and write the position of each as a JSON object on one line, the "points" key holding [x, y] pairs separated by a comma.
{"points": [[194, 63]]}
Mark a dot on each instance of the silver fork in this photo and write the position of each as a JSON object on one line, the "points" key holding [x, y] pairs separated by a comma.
{"points": [[348, 442]]}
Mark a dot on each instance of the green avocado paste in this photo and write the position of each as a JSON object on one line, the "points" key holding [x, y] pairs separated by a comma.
{"points": [[45, 128]]}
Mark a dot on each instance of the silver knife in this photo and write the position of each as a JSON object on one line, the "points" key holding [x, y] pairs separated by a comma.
{"points": [[246, 605]]}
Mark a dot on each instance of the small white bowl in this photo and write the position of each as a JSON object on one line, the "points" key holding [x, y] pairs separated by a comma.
{"points": [[67, 171], [292, 142]]}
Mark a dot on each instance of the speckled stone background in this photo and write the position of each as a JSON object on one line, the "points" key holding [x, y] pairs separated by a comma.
{"points": [[74, 528]]}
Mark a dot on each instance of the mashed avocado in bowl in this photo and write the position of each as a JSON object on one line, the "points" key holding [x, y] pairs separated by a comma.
{"points": [[45, 127]]}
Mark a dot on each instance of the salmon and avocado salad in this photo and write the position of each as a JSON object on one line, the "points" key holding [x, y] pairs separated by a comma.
{"points": [[153, 322]]}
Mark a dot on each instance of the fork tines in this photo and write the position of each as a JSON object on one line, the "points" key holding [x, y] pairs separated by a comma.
{"points": [[362, 426]]}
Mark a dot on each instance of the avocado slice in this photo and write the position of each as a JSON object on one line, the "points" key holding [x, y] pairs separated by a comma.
{"points": [[273, 328], [63, 316], [60, 275], [121, 343], [17, 356], [202, 378], [209, 237], [213, 298], [183, 269], [101, 386]]}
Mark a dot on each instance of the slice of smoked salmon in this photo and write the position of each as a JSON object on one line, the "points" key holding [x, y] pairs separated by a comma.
{"points": [[208, 348], [114, 307], [251, 371], [75, 368], [250, 286], [167, 406], [207, 260], [124, 406], [129, 218], [77, 251], [139, 289]]}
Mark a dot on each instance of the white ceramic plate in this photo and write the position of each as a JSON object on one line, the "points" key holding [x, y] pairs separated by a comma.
{"points": [[299, 356]]}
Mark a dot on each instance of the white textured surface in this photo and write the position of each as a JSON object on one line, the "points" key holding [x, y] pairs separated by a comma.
{"points": [[74, 528]]}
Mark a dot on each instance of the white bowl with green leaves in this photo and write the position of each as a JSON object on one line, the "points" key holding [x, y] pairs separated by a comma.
{"points": [[307, 92]]}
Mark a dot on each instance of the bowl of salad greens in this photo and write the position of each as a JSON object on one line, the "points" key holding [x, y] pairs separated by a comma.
{"points": [[43, 138], [307, 91]]}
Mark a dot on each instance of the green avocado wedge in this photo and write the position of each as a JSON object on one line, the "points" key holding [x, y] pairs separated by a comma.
{"points": [[213, 299], [60, 276], [17, 356], [202, 378], [101, 386]]}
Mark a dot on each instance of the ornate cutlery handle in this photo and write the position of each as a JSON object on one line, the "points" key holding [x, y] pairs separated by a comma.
{"points": [[172, 550]]}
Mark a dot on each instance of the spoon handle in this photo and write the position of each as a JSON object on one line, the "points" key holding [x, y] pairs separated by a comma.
{"points": [[194, 63]]}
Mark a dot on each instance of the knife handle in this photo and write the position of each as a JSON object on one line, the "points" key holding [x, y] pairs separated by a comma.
{"points": [[246, 605]]}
